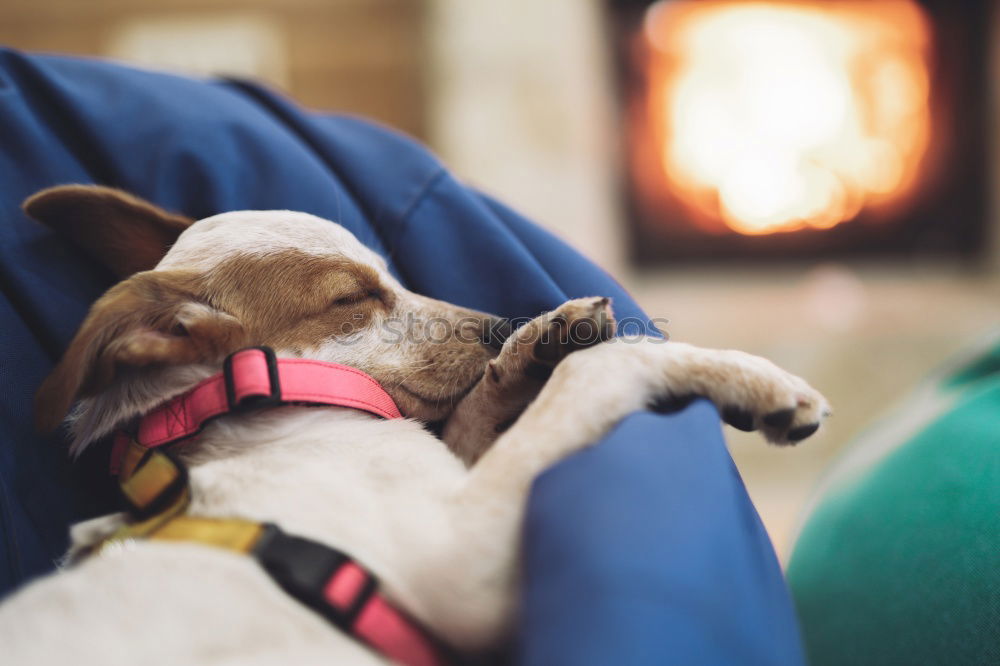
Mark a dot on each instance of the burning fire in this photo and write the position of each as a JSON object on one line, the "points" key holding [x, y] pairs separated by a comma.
{"points": [[777, 116]]}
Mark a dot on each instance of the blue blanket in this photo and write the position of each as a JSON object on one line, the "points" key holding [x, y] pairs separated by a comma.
{"points": [[642, 550]]}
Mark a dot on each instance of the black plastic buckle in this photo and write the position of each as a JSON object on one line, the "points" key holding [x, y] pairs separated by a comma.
{"points": [[167, 496], [303, 568], [252, 401]]}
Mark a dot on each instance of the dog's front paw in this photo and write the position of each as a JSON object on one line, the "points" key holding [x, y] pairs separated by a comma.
{"points": [[781, 405], [515, 377], [538, 346]]}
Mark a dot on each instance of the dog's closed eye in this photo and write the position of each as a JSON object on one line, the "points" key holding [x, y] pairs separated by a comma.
{"points": [[358, 297]]}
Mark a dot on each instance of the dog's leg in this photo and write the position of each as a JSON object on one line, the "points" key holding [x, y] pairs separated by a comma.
{"points": [[517, 375], [589, 392], [593, 389]]}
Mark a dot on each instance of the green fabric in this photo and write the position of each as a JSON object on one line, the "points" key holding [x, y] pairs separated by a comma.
{"points": [[902, 565], [985, 365]]}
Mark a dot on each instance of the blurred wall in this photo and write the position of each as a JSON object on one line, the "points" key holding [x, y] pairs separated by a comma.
{"points": [[522, 105]]}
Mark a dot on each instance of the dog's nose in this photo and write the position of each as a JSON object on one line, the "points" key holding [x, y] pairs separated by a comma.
{"points": [[495, 331]]}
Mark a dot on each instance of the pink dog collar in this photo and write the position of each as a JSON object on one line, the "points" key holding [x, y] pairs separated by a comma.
{"points": [[253, 378], [324, 579]]}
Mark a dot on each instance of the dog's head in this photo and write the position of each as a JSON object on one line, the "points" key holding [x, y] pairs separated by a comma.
{"points": [[193, 292]]}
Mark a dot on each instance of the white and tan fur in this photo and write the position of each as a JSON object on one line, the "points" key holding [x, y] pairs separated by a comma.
{"points": [[442, 536]]}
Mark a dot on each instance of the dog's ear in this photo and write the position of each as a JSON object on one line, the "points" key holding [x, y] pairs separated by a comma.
{"points": [[122, 232], [152, 319]]}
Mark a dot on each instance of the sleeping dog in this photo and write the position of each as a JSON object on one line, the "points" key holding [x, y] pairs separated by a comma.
{"points": [[436, 519]]}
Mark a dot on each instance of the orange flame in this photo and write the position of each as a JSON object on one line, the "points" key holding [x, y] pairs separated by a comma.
{"points": [[778, 116]]}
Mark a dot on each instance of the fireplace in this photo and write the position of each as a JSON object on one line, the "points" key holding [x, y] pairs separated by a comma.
{"points": [[800, 130]]}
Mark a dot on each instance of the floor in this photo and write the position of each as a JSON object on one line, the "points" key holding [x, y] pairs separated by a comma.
{"points": [[864, 336]]}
